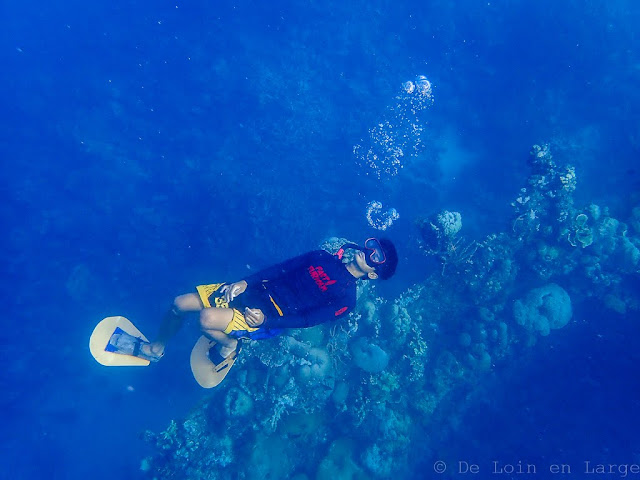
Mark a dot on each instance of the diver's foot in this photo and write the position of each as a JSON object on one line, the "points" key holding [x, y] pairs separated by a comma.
{"points": [[124, 343], [225, 351], [223, 355], [152, 351]]}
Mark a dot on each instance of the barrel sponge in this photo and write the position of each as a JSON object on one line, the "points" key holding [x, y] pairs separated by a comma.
{"points": [[543, 309], [369, 356]]}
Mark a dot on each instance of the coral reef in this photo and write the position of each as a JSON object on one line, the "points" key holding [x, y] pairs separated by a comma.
{"points": [[294, 404]]}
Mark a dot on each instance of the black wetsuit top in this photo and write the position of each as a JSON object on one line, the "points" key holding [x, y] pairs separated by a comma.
{"points": [[308, 290]]}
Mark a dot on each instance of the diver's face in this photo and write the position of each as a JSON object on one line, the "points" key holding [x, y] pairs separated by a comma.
{"points": [[361, 262]]}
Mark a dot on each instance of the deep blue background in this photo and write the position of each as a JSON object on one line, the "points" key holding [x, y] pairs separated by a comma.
{"points": [[148, 147]]}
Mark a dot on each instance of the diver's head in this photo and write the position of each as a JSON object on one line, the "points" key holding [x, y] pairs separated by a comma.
{"points": [[376, 259]]}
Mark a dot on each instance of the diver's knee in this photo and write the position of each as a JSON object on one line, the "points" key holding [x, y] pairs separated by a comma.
{"points": [[210, 319], [215, 318], [205, 320], [189, 302]]}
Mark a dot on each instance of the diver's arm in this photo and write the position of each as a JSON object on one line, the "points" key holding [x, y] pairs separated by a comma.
{"points": [[309, 319], [232, 290], [285, 267]]}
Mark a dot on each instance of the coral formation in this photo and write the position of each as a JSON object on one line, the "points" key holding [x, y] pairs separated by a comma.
{"points": [[369, 356], [381, 375], [543, 309], [450, 223], [439, 237], [581, 235]]}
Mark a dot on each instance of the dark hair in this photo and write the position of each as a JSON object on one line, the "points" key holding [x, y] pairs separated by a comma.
{"points": [[388, 268]]}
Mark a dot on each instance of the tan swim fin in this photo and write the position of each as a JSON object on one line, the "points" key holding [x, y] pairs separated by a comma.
{"points": [[207, 373]]}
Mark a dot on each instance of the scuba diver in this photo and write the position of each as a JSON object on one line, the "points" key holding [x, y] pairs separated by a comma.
{"points": [[304, 291]]}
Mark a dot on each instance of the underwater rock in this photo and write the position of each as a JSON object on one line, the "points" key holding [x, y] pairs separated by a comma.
{"points": [[237, 403], [273, 457], [543, 309], [302, 424], [340, 394], [377, 462], [369, 356], [339, 463]]}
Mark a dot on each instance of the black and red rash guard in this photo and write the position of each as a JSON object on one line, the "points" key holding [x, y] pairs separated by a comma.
{"points": [[308, 290]]}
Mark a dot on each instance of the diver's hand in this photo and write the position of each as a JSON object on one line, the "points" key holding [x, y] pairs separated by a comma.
{"points": [[253, 316], [232, 290]]}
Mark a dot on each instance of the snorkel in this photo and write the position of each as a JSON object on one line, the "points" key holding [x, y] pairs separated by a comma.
{"points": [[374, 254]]}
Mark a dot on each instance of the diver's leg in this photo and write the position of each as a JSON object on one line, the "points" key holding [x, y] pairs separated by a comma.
{"points": [[213, 322], [172, 322]]}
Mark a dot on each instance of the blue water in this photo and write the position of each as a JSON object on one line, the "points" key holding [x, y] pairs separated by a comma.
{"points": [[149, 147]]}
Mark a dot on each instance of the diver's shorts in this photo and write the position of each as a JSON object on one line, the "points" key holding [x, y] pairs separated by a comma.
{"points": [[211, 297]]}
